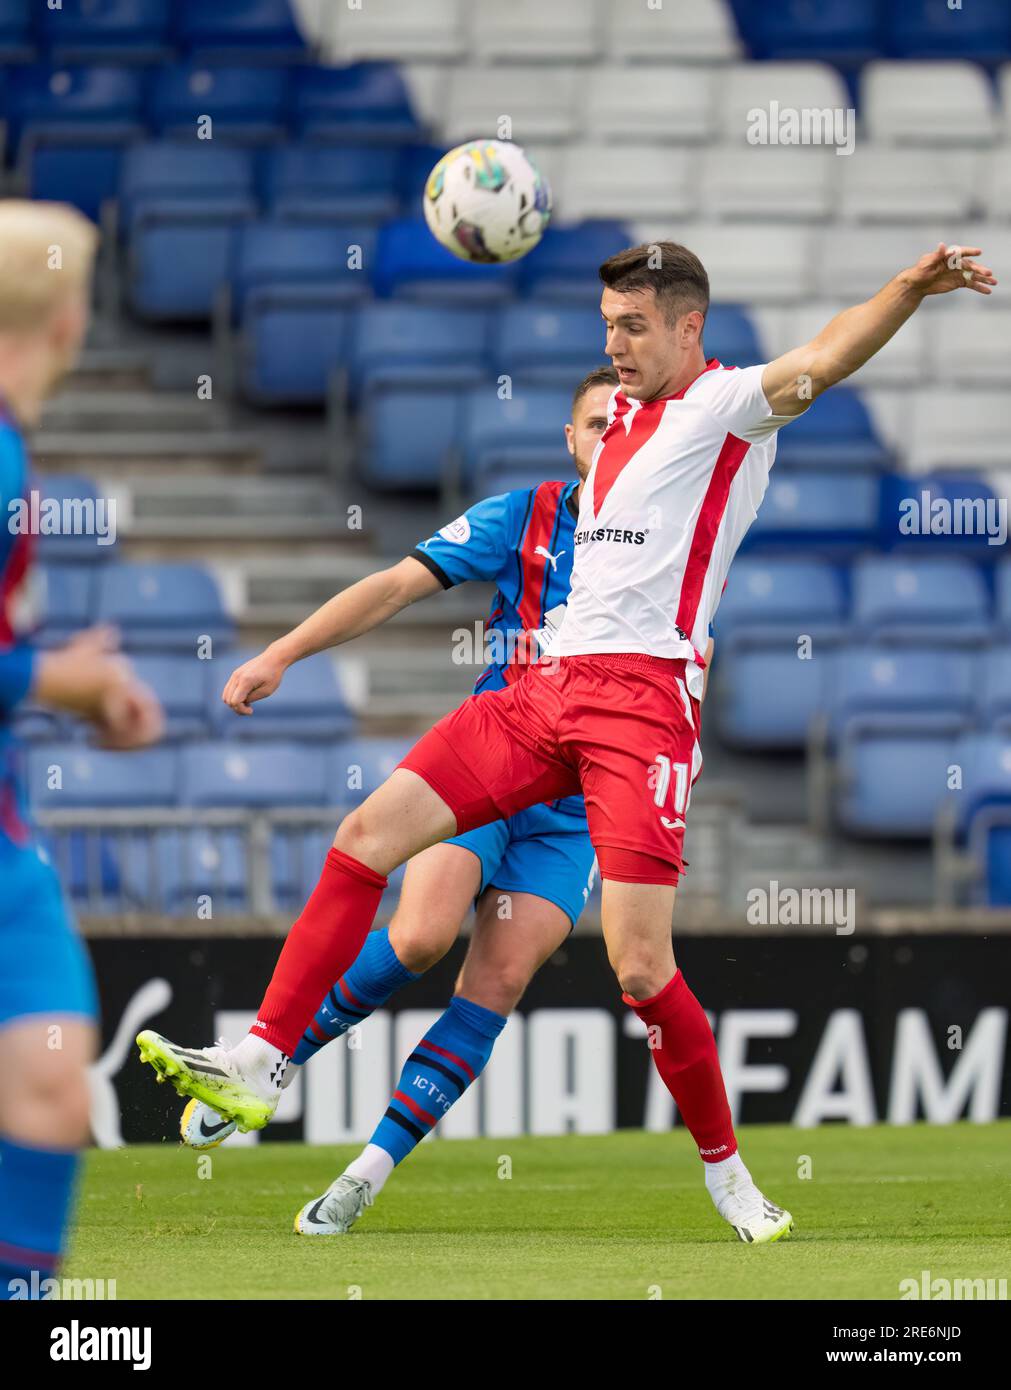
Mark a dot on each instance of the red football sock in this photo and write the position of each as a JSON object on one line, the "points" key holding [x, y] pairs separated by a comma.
{"points": [[684, 1052], [321, 945]]}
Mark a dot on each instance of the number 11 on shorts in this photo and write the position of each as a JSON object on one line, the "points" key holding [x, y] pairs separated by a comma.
{"points": [[680, 771]]}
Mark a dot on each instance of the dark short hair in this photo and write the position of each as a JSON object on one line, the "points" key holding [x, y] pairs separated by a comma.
{"points": [[600, 376], [675, 275]]}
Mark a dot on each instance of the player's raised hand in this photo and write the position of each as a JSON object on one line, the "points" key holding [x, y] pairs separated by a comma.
{"points": [[131, 715], [254, 680], [951, 268], [104, 638]]}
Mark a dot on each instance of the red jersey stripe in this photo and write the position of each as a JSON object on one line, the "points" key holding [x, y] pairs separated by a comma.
{"points": [[534, 567], [714, 504], [621, 445]]}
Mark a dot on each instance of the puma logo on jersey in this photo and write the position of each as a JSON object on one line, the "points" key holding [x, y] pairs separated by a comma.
{"points": [[676, 824], [540, 550]]}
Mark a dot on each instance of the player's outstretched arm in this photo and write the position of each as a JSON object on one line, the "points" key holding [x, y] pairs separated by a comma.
{"points": [[792, 381], [88, 679], [355, 610]]}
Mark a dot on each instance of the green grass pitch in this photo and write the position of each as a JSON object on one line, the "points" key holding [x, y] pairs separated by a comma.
{"points": [[622, 1216]]}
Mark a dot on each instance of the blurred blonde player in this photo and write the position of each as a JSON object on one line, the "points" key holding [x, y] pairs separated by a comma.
{"points": [[47, 996]]}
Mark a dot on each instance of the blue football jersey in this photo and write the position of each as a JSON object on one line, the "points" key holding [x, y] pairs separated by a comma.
{"points": [[15, 656], [522, 542]]}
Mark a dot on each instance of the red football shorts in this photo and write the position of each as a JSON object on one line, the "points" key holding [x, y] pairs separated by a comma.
{"points": [[619, 728]]}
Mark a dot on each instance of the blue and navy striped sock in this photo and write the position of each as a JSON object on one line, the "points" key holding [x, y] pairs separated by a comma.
{"points": [[451, 1055], [36, 1190], [365, 987]]}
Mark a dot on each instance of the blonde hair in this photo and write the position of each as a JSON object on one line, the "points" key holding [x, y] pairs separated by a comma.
{"points": [[47, 253]]}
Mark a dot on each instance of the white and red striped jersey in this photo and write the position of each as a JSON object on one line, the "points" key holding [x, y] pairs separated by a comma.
{"points": [[674, 485]]}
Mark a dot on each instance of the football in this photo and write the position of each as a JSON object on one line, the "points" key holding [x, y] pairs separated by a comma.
{"points": [[486, 201]]}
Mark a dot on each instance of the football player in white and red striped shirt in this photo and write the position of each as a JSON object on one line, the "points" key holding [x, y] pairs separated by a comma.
{"points": [[613, 709]]}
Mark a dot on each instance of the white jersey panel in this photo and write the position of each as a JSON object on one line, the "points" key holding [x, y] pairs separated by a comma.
{"points": [[673, 487]]}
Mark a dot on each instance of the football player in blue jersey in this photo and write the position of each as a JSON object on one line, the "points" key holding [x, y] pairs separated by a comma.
{"points": [[529, 876], [47, 996]]}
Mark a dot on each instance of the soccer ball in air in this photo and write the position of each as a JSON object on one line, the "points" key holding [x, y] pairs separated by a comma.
{"points": [[485, 201]]}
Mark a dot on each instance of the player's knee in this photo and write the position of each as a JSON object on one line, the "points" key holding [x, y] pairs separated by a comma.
{"points": [[56, 1106], [355, 836], [420, 945], [500, 990], [641, 976]]}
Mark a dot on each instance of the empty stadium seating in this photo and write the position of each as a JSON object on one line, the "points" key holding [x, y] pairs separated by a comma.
{"points": [[643, 121]]}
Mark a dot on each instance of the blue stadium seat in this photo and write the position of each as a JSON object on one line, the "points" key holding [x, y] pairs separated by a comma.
{"points": [[246, 105], [67, 129], [730, 335], [247, 31], [272, 254], [76, 504], [804, 594], [995, 691], [767, 687], [106, 31], [16, 37], [954, 500], [162, 607], [181, 206], [894, 777], [72, 775], [411, 264], [563, 265], [844, 32], [394, 343], [835, 431], [408, 436], [834, 512], [180, 682], [92, 102], [548, 344], [293, 343], [328, 183], [928, 687], [356, 767], [764, 695], [983, 813], [309, 706], [181, 867], [67, 601], [925, 29], [902, 599], [182, 246], [160, 174], [252, 775], [359, 102], [179, 259], [501, 434]]}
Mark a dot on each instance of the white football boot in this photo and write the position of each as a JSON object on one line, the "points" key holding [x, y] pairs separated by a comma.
{"points": [[755, 1219], [337, 1210], [209, 1074]]}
